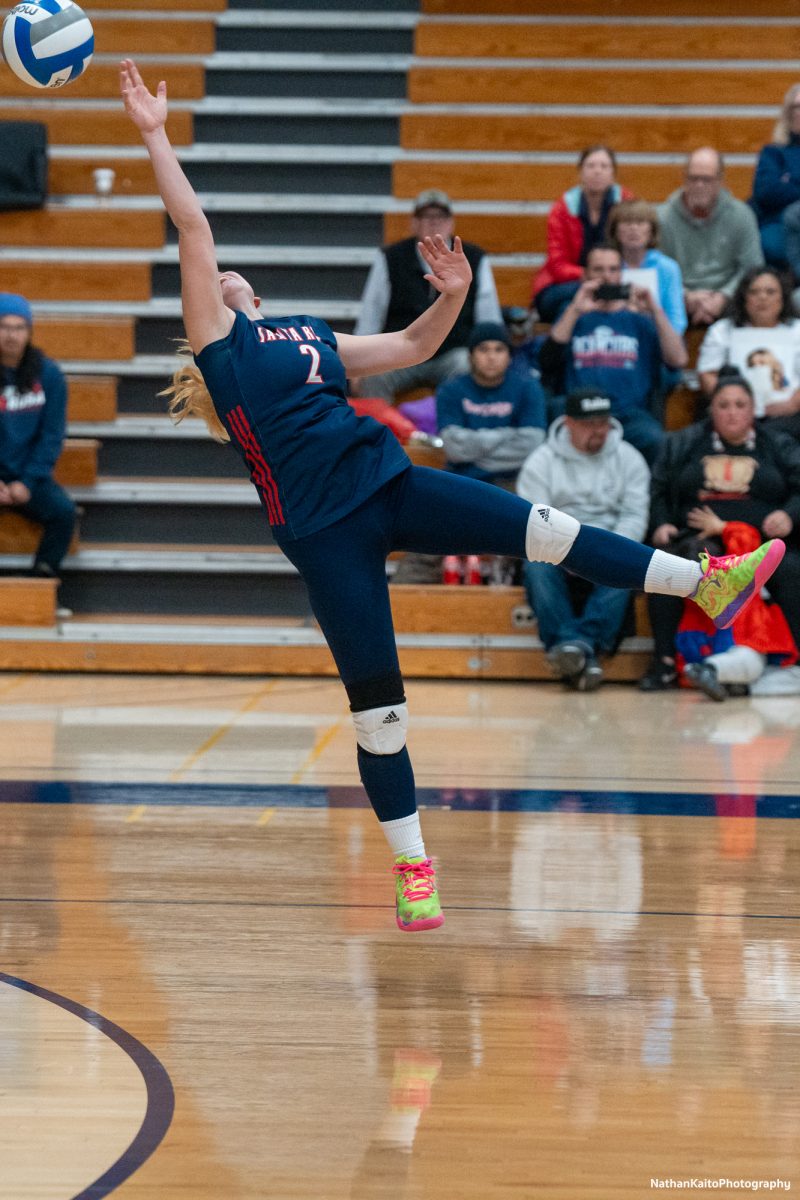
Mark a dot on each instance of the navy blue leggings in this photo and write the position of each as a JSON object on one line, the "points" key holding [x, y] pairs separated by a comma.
{"points": [[344, 565]]}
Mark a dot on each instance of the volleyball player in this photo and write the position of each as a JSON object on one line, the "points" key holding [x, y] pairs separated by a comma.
{"points": [[340, 493]]}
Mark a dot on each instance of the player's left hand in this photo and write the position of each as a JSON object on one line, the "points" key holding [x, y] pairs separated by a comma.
{"points": [[450, 273]]}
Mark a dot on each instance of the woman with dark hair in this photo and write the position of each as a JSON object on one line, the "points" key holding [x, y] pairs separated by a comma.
{"points": [[760, 338], [576, 223], [737, 469], [33, 413]]}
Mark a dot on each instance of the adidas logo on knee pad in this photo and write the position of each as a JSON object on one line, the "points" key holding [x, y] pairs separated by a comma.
{"points": [[391, 719]]}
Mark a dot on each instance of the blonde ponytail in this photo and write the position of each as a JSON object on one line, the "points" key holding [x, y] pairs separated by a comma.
{"points": [[189, 396]]}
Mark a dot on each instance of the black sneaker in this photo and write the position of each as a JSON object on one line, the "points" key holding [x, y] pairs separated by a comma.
{"points": [[567, 659], [590, 677], [704, 677], [660, 676]]}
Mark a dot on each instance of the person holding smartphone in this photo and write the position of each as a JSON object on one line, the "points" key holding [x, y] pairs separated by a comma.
{"points": [[615, 338]]}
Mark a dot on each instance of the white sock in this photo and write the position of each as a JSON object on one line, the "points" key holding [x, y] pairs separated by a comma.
{"points": [[672, 576], [405, 836]]}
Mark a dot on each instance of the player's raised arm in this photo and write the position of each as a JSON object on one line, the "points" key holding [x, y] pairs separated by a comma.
{"points": [[205, 315], [450, 275]]}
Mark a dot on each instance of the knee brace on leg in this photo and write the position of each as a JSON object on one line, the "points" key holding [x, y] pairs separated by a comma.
{"points": [[550, 534], [382, 730]]}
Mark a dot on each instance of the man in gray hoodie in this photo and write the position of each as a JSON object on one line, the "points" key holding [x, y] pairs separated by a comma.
{"points": [[587, 470], [713, 236]]}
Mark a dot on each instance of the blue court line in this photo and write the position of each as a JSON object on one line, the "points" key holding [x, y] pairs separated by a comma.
{"points": [[160, 1095], [457, 799], [122, 902]]}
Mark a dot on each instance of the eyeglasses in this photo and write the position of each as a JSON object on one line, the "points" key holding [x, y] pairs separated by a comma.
{"points": [[16, 327], [702, 178]]}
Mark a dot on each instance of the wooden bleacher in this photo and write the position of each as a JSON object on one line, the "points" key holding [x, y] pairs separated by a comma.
{"points": [[462, 632]]}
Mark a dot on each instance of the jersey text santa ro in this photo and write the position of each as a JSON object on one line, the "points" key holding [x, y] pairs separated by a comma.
{"points": [[278, 386]]}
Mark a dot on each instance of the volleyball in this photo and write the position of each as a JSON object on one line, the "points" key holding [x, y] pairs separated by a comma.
{"points": [[47, 43]]}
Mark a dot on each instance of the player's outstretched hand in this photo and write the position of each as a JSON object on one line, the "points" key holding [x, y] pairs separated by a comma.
{"points": [[450, 272], [148, 112]]}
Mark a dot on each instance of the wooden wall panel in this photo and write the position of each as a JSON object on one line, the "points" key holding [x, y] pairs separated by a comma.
{"points": [[527, 85], [186, 81], [622, 40], [514, 284], [18, 535], [77, 463], [498, 234], [30, 602], [92, 397], [430, 663], [612, 8], [109, 227], [541, 181], [127, 35], [160, 5], [77, 281], [73, 176], [94, 127], [667, 134], [86, 337]]}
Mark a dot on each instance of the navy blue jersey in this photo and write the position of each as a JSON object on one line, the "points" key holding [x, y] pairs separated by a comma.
{"points": [[278, 386]]}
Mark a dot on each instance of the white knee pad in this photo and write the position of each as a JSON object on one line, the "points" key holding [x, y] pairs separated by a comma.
{"points": [[550, 534], [382, 730]]}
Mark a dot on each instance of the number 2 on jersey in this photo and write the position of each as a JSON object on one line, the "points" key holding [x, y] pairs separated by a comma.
{"points": [[313, 371]]}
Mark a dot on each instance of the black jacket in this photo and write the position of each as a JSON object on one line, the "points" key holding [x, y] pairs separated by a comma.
{"points": [[773, 446]]}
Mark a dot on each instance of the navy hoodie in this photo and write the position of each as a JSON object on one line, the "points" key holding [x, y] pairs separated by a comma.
{"points": [[32, 424]]}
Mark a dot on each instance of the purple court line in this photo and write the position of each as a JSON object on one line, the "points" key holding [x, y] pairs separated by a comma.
{"points": [[160, 1094]]}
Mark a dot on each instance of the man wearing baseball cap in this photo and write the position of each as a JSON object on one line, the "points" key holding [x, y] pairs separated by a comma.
{"points": [[396, 293], [33, 413], [586, 469]]}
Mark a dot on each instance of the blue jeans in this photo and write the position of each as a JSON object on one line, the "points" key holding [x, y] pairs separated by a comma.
{"points": [[55, 510], [551, 594]]}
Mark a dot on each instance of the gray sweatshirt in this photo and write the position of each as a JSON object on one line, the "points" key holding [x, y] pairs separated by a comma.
{"points": [[610, 489], [713, 252]]}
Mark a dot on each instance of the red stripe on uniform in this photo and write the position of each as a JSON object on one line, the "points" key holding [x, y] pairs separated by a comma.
{"points": [[265, 474], [241, 432], [262, 475]]}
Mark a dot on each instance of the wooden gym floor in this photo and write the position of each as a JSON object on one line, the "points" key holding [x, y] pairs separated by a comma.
{"points": [[203, 993]]}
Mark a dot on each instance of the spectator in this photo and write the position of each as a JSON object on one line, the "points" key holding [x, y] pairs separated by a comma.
{"points": [[491, 419], [712, 236], [33, 409], [760, 338], [741, 470], [617, 345], [397, 291], [723, 661], [525, 344], [587, 469], [776, 187], [633, 229], [576, 223]]}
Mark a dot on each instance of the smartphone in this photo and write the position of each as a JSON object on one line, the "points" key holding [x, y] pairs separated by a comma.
{"points": [[613, 291]]}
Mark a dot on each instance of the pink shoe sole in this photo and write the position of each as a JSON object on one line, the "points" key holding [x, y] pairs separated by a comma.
{"points": [[769, 563], [426, 923]]}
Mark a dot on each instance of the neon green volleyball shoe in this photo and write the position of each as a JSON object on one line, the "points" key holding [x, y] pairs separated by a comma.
{"points": [[731, 582], [418, 904]]}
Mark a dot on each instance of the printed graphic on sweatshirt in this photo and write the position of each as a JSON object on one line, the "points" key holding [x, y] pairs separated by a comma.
{"points": [[12, 400], [606, 348]]}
